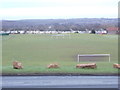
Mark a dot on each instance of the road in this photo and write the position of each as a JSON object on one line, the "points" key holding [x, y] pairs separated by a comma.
{"points": [[60, 82]]}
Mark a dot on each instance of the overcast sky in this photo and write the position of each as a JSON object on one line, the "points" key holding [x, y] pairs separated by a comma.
{"points": [[52, 9]]}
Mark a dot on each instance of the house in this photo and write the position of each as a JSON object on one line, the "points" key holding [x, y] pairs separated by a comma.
{"points": [[81, 32], [14, 32], [3, 33], [112, 30], [101, 31], [21, 32], [28, 32]]}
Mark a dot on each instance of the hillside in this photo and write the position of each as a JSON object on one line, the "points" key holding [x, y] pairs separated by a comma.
{"points": [[59, 24]]}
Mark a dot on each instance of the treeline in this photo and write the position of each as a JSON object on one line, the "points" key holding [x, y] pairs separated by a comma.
{"points": [[80, 24]]}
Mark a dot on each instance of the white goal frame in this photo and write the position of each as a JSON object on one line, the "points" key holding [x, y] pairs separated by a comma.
{"points": [[83, 55]]}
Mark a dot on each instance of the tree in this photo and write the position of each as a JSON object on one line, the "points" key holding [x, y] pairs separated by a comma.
{"points": [[93, 32]]}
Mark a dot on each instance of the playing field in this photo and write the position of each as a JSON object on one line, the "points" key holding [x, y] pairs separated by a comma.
{"points": [[36, 51]]}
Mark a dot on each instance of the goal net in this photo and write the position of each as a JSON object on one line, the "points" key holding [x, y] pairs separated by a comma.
{"points": [[93, 57]]}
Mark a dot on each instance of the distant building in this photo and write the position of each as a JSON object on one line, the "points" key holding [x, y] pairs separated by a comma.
{"points": [[98, 31], [21, 32], [3, 33], [82, 32], [14, 32], [101, 31], [112, 30]]}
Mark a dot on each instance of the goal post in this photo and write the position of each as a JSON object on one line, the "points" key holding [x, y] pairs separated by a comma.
{"points": [[93, 57]]}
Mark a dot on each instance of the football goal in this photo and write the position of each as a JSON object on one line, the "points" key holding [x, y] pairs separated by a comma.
{"points": [[93, 57]]}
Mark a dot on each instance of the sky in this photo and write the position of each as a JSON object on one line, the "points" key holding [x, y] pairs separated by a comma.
{"points": [[57, 9]]}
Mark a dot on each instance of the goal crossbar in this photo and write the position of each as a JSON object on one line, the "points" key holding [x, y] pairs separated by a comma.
{"points": [[91, 55]]}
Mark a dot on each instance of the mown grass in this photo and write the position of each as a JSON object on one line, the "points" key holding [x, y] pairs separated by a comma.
{"points": [[37, 51], [103, 68]]}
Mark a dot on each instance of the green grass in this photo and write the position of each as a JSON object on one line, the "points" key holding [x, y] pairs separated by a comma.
{"points": [[36, 51]]}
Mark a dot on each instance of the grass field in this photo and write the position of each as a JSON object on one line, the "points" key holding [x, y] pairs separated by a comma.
{"points": [[36, 51]]}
